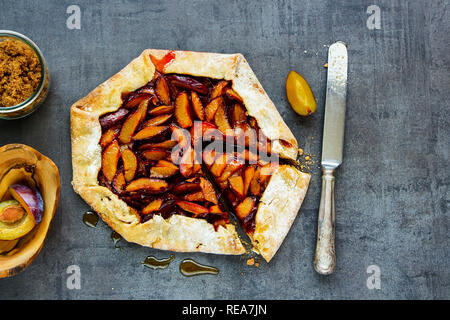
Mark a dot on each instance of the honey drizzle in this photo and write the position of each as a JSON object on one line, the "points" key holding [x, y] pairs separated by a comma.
{"points": [[90, 218], [189, 268], [155, 263], [115, 237]]}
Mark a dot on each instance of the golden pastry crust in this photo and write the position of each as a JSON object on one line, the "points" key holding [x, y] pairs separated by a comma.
{"points": [[179, 233], [278, 208]]}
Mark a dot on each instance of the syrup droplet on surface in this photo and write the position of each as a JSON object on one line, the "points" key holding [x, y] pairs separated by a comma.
{"points": [[155, 263], [115, 237], [90, 218], [189, 268]]}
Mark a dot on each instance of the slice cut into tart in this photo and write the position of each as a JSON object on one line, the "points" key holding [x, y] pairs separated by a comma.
{"points": [[165, 149]]}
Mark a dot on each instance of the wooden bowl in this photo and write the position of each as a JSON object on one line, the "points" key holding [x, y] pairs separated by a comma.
{"points": [[21, 163]]}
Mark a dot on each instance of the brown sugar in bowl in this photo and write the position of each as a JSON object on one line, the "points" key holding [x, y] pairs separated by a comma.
{"points": [[22, 164], [19, 78]]}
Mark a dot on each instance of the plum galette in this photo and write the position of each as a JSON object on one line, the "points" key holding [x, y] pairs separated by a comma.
{"points": [[171, 145]]}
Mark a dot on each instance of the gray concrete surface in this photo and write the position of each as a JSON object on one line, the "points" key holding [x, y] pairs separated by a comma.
{"points": [[392, 195]]}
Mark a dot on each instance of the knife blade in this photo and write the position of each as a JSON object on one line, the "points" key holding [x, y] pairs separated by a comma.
{"points": [[332, 149], [333, 130]]}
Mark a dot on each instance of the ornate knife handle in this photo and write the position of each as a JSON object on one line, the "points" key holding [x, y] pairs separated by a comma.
{"points": [[325, 257]]}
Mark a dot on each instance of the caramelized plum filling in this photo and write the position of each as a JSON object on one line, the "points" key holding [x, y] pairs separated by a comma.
{"points": [[158, 144]]}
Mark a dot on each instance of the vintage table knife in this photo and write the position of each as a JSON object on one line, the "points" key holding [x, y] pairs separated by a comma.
{"points": [[332, 145]]}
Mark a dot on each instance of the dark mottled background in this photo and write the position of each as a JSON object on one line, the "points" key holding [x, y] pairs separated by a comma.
{"points": [[392, 190]]}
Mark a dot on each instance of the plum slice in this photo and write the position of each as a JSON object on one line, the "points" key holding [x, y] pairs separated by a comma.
{"points": [[130, 125], [248, 177], [108, 136], [163, 169], [249, 156], [221, 120], [187, 163], [168, 144], [156, 121], [154, 154], [181, 136], [245, 207], [255, 186], [211, 108], [135, 99], [129, 164], [218, 89], [237, 185], [238, 115], [15, 221], [29, 198], [232, 166], [196, 196], [215, 209], [149, 132], [219, 165], [162, 90], [182, 110], [148, 90], [147, 184], [208, 191], [209, 156], [119, 182], [152, 206], [193, 208], [186, 187], [197, 106], [206, 132], [233, 95], [110, 119], [188, 83], [110, 158], [245, 135], [161, 110]]}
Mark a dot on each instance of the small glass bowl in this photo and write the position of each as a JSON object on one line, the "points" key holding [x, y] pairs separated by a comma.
{"points": [[37, 98]]}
